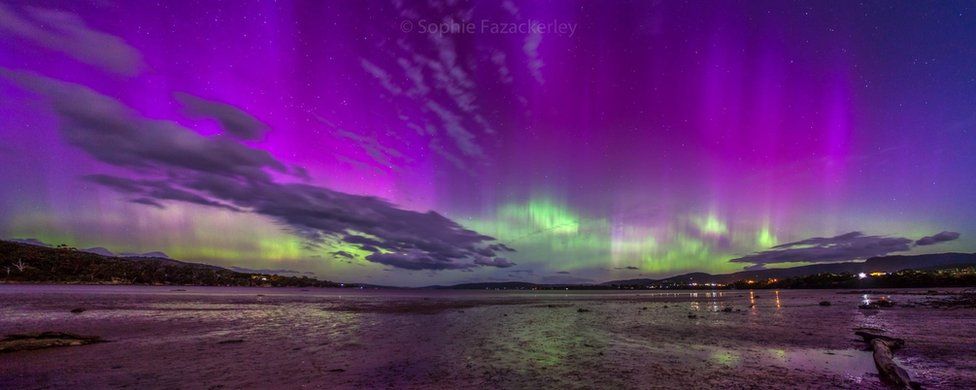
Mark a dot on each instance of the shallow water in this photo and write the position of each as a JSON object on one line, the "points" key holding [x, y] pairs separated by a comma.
{"points": [[171, 337]]}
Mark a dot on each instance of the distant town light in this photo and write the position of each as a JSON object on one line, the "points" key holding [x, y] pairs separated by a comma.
{"points": [[862, 275]]}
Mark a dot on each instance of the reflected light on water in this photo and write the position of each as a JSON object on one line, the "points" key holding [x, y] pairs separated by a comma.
{"points": [[726, 357], [752, 302]]}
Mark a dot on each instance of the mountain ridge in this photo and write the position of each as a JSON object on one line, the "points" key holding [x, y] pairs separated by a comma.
{"points": [[891, 263]]}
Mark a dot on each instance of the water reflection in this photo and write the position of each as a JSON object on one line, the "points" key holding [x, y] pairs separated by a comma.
{"points": [[434, 339], [752, 303], [850, 363], [726, 357]]}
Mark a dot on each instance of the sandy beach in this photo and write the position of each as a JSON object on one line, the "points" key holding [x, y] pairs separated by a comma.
{"points": [[206, 337]]}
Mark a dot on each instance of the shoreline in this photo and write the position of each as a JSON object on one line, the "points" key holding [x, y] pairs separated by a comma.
{"points": [[256, 337]]}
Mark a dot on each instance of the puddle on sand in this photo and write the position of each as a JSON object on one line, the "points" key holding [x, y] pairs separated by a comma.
{"points": [[849, 363]]}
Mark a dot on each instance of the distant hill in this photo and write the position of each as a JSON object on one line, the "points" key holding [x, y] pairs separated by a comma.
{"points": [[96, 250], [874, 264], [31, 262], [488, 285], [886, 264]]}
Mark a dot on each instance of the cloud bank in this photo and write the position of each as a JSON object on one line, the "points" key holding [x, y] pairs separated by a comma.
{"points": [[174, 163], [845, 247], [937, 238]]}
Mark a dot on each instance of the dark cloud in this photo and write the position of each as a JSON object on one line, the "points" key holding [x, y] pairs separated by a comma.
{"points": [[148, 202], [115, 183], [179, 164], [501, 247], [937, 238], [114, 134], [234, 121], [822, 241], [67, 33], [154, 190], [415, 261], [629, 267], [845, 247]]}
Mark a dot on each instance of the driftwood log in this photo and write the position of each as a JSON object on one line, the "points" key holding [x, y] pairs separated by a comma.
{"points": [[889, 371]]}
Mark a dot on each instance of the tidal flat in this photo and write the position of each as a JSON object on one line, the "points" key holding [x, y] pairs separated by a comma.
{"points": [[213, 337]]}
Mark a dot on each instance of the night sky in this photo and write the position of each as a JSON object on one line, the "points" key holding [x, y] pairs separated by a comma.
{"points": [[413, 143]]}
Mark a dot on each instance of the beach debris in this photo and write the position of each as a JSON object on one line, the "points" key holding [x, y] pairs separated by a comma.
{"points": [[582, 310], [727, 309], [881, 303], [824, 303], [30, 341], [964, 300], [889, 371], [78, 310], [231, 341], [692, 315]]}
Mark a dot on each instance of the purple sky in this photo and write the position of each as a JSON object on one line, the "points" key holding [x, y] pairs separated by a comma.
{"points": [[595, 141]]}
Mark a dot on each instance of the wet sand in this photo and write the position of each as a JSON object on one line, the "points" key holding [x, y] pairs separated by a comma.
{"points": [[207, 337]]}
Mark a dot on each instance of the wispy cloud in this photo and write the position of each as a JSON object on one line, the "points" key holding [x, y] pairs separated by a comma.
{"points": [[67, 33], [435, 80]]}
